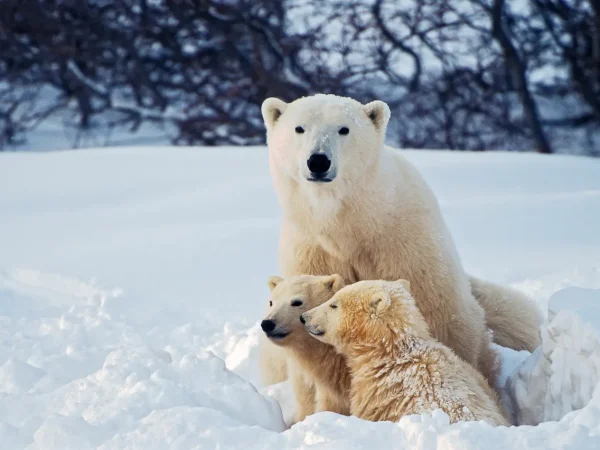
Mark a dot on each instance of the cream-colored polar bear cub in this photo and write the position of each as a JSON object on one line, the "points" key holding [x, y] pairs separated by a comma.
{"points": [[397, 368], [319, 375]]}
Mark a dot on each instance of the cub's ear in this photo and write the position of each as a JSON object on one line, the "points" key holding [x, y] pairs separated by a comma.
{"points": [[405, 284], [378, 112], [272, 109], [379, 303], [334, 282], [274, 281]]}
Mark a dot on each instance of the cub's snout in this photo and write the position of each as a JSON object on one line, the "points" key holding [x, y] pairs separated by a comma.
{"points": [[267, 325], [272, 330]]}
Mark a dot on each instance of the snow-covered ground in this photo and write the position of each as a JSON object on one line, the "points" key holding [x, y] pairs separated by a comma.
{"points": [[132, 281]]}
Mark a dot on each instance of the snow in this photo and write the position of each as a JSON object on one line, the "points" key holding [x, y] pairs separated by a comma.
{"points": [[561, 375], [132, 281], [584, 303]]}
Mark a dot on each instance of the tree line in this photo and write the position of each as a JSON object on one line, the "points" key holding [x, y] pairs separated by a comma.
{"points": [[457, 74]]}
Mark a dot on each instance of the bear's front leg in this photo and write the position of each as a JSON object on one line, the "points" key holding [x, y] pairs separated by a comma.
{"points": [[329, 401], [273, 362], [304, 392]]}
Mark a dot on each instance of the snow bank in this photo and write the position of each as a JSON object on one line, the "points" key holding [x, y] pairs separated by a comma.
{"points": [[149, 338], [562, 375], [81, 376]]}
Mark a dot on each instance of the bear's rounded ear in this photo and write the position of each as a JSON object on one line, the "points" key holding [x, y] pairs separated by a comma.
{"points": [[334, 282], [274, 281], [379, 303], [272, 109], [405, 284], [379, 113]]}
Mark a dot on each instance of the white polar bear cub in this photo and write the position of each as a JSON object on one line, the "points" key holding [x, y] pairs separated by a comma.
{"points": [[354, 206]]}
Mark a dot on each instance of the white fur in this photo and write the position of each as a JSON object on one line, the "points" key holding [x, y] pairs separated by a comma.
{"points": [[378, 219]]}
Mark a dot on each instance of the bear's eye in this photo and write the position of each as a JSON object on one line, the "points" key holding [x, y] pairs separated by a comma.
{"points": [[344, 131], [299, 130], [270, 303], [333, 306], [296, 303]]}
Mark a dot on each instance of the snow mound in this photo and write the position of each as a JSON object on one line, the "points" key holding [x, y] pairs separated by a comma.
{"points": [[84, 377], [564, 373]]}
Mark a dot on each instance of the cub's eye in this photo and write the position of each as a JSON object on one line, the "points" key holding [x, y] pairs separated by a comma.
{"points": [[333, 306], [299, 130], [270, 303], [344, 131], [296, 303]]}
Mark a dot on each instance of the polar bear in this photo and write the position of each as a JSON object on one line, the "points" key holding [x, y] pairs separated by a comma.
{"points": [[397, 367], [354, 206], [319, 375]]}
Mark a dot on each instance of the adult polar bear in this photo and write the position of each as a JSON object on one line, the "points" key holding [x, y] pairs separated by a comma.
{"points": [[356, 207]]}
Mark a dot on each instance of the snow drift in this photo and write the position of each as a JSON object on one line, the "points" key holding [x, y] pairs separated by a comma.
{"points": [[132, 280]]}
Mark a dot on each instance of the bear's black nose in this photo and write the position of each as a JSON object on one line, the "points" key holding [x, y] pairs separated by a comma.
{"points": [[318, 163], [302, 318], [267, 325]]}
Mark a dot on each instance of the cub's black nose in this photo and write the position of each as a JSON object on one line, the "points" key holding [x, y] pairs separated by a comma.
{"points": [[318, 163], [302, 318], [267, 325]]}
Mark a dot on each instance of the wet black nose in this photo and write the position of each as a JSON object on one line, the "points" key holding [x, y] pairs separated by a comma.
{"points": [[318, 163], [267, 325], [302, 318]]}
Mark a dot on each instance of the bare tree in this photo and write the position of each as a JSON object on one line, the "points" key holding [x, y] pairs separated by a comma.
{"points": [[518, 72], [458, 74], [204, 67]]}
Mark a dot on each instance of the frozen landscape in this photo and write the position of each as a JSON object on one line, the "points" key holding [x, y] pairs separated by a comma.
{"points": [[132, 281]]}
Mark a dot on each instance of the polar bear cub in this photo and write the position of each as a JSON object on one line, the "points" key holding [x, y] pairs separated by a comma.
{"points": [[319, 375], [397, 368]]}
